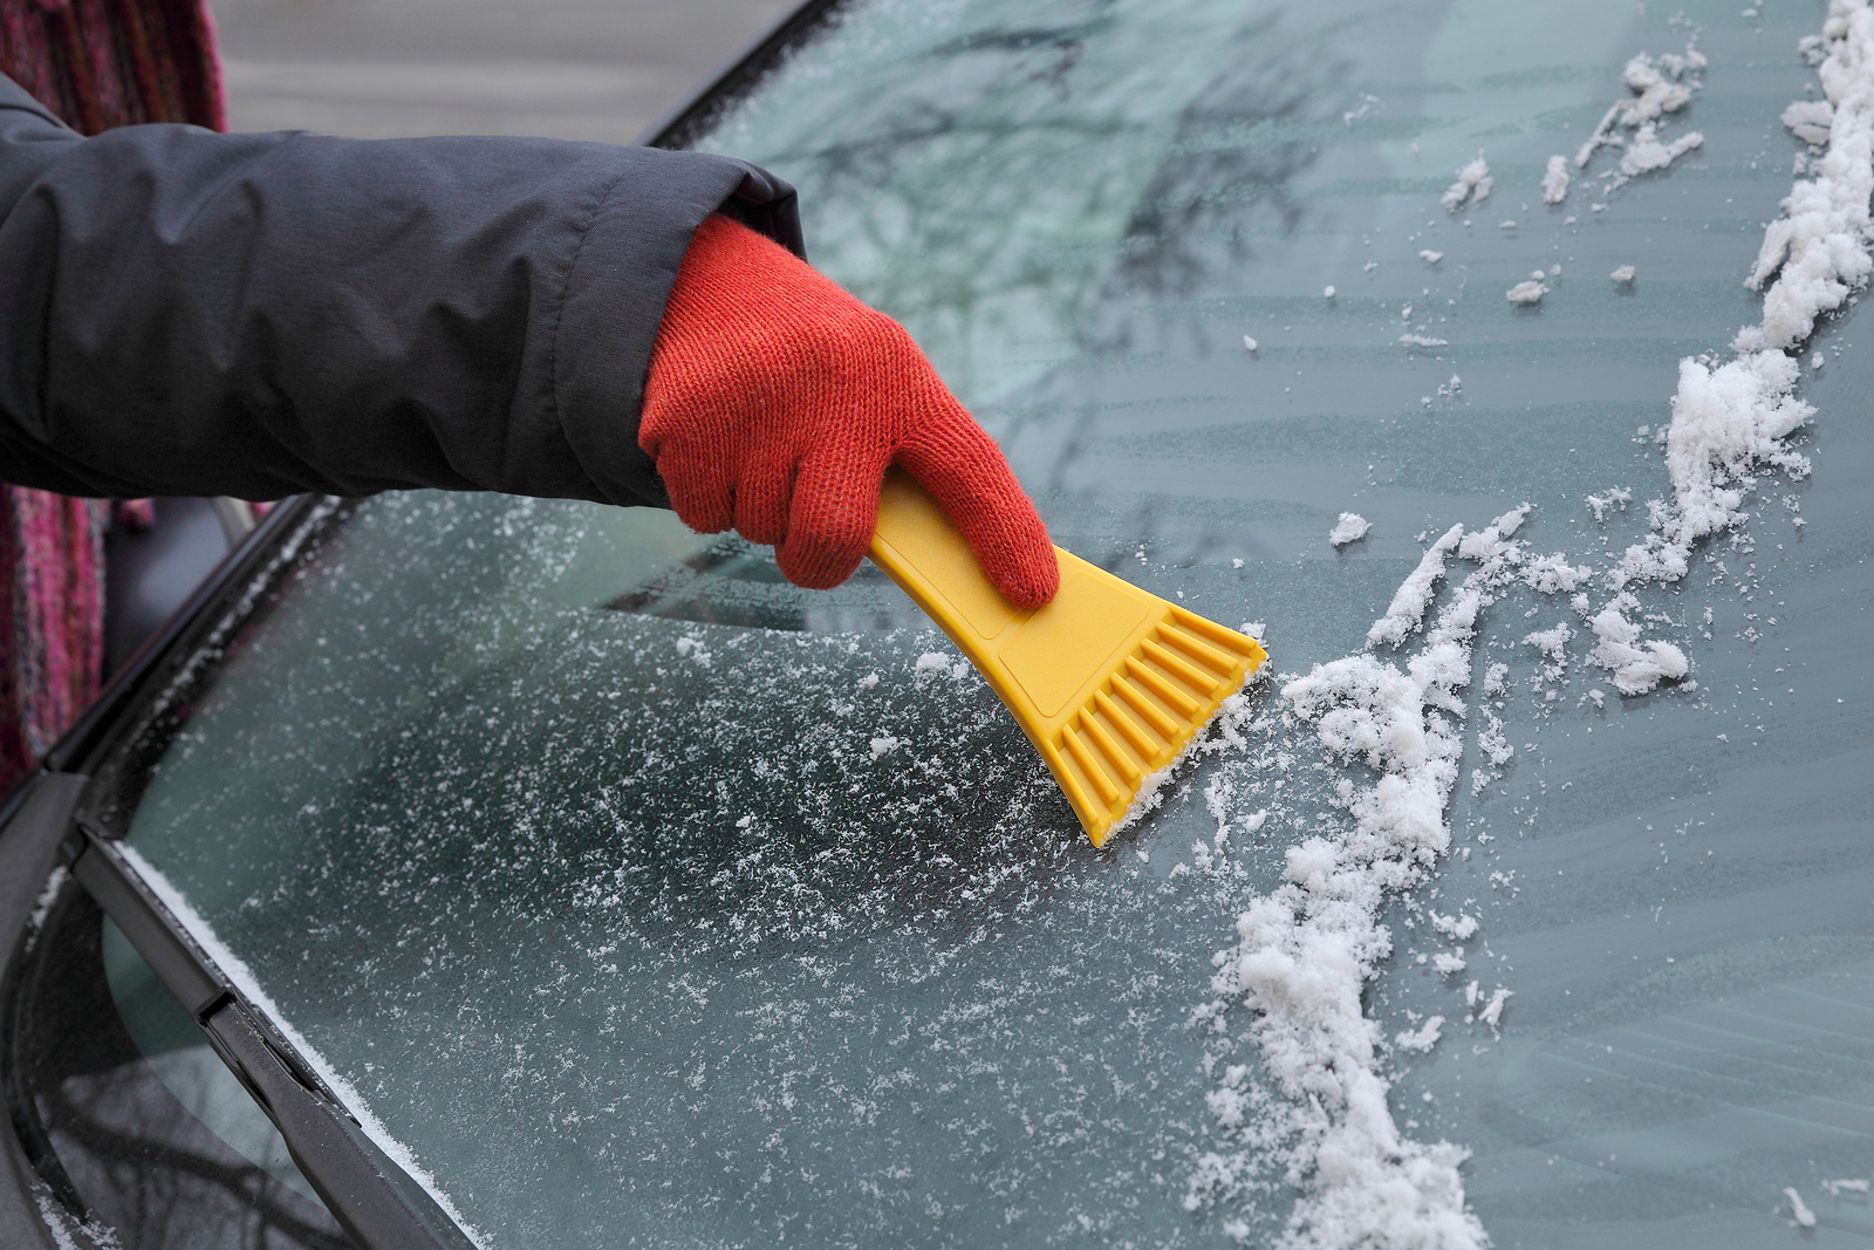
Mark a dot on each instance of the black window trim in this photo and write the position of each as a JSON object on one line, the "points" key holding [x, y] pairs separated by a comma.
{"points": [[377, 1203]]}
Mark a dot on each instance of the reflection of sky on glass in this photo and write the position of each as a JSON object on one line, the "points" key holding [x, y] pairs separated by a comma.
{"points": [[632, 920]]}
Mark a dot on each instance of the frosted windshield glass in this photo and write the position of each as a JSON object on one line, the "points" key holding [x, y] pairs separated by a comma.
{"points": [[646, 899]]}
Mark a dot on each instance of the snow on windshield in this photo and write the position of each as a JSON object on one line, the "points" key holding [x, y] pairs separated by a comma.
{"points": [[1304, 955]]}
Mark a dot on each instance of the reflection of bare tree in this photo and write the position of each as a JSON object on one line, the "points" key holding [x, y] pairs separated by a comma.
{"points": [[1239, 148], [174, 1196], [1043, 190]]}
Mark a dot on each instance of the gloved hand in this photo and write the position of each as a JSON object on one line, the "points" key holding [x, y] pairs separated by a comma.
{"points": [[776, 401]]}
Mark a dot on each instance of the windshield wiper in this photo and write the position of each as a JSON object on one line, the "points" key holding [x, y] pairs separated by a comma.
{"points": [[378, 1204]]}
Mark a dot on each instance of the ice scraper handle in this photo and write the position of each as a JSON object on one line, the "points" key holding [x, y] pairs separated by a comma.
{"points": [[1109, 682], [925, 553]]}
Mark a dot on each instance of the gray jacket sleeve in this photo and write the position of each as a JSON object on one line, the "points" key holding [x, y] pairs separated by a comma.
{"points": [[184, 312]]}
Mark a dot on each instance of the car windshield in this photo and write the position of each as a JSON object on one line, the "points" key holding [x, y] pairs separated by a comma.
{"points": [[648, 900]]}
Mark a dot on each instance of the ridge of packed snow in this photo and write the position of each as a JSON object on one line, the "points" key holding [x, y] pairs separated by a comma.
{"points": [[1304, 953], [1732, 420], [1818, 249], [1408, 605]]}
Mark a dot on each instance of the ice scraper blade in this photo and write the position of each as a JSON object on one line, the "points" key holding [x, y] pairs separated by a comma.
{"points": [[1109, 682]]}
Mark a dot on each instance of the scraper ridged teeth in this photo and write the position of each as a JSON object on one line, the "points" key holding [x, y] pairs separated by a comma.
{"points": [[1148, 708]]}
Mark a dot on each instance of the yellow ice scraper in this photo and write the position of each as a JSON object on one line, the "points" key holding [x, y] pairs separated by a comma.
{"points": [[1109, 683]]}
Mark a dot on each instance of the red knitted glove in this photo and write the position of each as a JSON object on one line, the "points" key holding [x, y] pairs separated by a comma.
{"points": [[776, 401]]}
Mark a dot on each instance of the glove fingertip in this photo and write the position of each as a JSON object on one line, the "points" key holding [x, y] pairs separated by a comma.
{"points": [[1032, 579], [816, 564], [973, 484], [831, 516]]}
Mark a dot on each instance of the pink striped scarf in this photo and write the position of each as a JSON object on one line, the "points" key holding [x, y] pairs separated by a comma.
{"points": [[97, 64]]}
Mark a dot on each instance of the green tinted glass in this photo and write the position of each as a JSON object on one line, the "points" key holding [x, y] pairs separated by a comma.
{"points": [[646, 897]]}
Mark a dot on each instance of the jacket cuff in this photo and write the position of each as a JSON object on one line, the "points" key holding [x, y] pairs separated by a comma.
{"points": [[617, 285]]}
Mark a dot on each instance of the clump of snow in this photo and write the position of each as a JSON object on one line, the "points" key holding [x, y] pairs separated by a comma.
{"points": [[1554, 575], [1494, 747], [1836, 1188], [1472, 186], [1351, 527], [1423, 340], [1488, 543], [1496, 679], [1661, 85], [1809, 120], [1623, 275], [1530, 291], [884, 744], [1249, 344], [1309, 862], [1725, 421], [1459, 928], [1552, 645], [1618, 498], [1491, 1013], [1429, 256], [1327, 292], [1635, 667], [1423, 1038], [1798, 1209], [1555, 180], [1646, 154]]}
